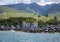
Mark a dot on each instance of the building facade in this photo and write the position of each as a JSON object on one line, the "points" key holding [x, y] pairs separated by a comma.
{"points": [[30, 25]]}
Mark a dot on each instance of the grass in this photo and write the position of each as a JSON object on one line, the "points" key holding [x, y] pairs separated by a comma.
{"points": [[57, 14], [10, 12], [6, 15]]}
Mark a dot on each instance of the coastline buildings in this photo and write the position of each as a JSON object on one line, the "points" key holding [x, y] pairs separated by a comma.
{"points": [[30, 25]]}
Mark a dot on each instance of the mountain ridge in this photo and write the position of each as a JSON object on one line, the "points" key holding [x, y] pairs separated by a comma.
{"points": [[35, 8]]}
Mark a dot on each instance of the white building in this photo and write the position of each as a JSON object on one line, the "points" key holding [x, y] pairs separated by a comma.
{"points": [[30, 25]]}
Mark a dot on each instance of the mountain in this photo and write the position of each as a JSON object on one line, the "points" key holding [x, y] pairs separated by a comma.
{"points": [[55, 8], [35, 8], [6, 12], [31, 8]]}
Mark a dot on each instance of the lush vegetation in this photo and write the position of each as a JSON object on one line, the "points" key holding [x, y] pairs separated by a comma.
{"points": [[57, 14], [9, 16], [18, 21]]}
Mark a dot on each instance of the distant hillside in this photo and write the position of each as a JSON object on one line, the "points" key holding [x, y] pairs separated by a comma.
{"points": [[35, 8], [55, 8], [6, 12], [28, 7], [29, 10], [57, 14]]}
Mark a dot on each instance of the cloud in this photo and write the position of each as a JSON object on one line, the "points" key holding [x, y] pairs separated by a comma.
{"points": [[2, 2], [26, 1], [40, 2], [45, 2], [52, 0]]}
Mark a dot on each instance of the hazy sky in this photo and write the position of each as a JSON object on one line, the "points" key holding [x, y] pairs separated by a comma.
{"points": [[40, 2]]}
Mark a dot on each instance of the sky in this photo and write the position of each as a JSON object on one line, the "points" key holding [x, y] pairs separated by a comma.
{"points": [[39, 2]]}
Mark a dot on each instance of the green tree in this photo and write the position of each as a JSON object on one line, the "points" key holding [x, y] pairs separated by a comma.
{"points": [[40, 23], [53, 21], [56, 20], [29, 19], [46, 15], [39, 16]]}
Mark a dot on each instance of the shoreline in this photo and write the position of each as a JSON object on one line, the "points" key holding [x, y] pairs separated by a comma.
{"points": [[28, 32]]}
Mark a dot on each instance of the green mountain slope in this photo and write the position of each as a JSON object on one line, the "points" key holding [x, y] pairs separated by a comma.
{"points": [[57, 14], [6, 12]]}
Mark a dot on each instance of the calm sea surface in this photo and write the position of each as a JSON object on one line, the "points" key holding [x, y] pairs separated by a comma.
{"points": [[10, 36]]}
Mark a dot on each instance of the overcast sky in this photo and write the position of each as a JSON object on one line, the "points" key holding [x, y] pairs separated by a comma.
{"points": [[40, 2]]}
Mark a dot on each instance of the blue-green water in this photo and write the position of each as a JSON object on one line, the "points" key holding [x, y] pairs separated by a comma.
{"points": [[8, 36]]}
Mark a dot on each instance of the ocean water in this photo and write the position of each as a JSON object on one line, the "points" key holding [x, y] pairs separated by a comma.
{"points": [[10, 36]]}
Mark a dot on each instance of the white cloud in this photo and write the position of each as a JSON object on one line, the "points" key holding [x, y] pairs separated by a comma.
{"points": [[54, 0], [43, 2], [26, 1], [8, 1], [17, 1], [2, 2], [40, 2]]}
